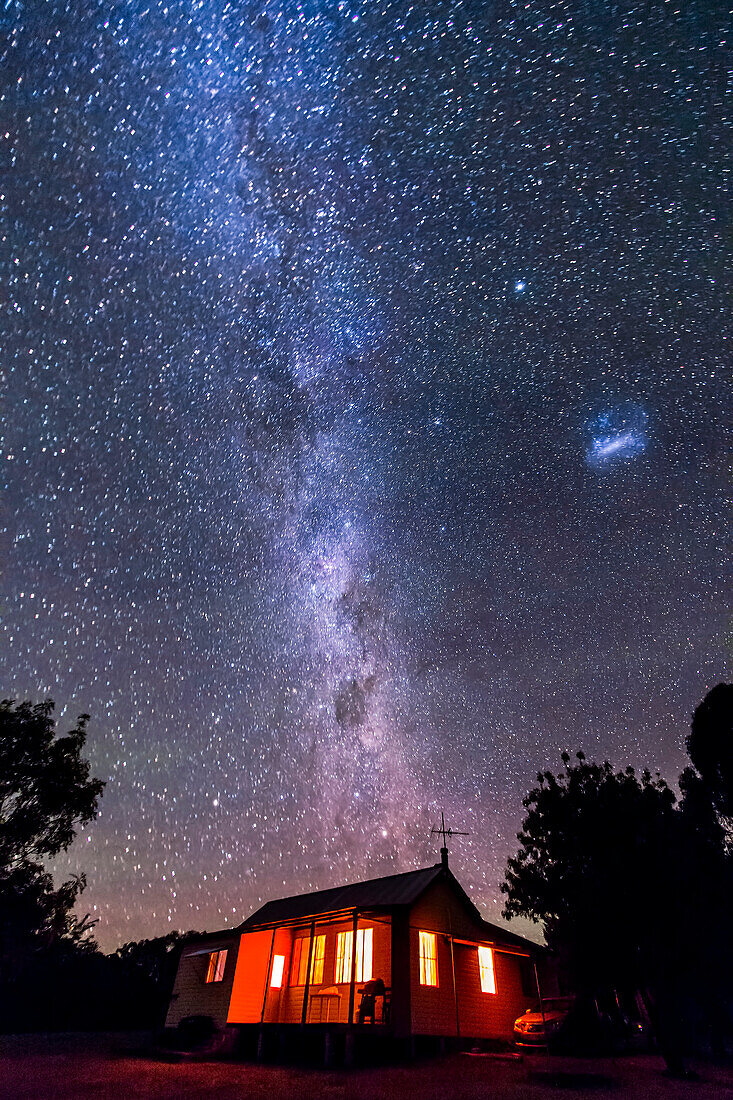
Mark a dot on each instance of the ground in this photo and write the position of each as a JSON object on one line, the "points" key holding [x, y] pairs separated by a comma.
{"points": [[74, 1067]]}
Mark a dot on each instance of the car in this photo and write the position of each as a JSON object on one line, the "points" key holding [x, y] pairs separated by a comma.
{"points": [[542, 1022], [580, 1025]]}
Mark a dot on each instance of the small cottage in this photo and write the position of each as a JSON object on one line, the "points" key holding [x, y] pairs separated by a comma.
{"points": [[407, 957]]}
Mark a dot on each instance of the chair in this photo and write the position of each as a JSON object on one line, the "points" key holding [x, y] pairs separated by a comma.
{"points": [[387, 1006]]}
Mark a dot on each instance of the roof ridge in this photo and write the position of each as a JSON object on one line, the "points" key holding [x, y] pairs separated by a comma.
{"points": [[357, 882], [399, 894]]}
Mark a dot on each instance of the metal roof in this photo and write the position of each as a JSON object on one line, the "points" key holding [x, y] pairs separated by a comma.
{"points": [[378, 893], [503, 935], [393, 891]]}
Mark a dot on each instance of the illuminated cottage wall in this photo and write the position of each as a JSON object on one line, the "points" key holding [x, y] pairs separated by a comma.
{"points": [[284, 1004], [449, 971], [480, 1014]]}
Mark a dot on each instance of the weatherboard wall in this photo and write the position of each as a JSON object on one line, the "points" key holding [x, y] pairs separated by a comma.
{"points": [[192, 994], [433, 1009], [253, 989], [484, 1015]]}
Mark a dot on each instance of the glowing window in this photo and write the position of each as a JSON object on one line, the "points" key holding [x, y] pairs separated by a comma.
{"points": [[217, 962], [428, 958], [486, 970], [319, 954], [344, 941], [364, 955], [278, 965], [299, 965]]}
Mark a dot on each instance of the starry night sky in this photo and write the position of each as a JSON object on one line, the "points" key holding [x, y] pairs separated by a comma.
{"points": [[363, 421]]}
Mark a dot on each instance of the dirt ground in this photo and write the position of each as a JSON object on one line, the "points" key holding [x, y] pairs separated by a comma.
{"points": [[117, 1067]]}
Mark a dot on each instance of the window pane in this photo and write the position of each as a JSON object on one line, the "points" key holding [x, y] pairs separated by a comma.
{"points": [[364, 954], [348, 952], [344, 942], [295, 964], [220, 964], [319, 953], [212, 966], [339, 957], [486, 970], [278, 965], [428, 958], [305, 946]]}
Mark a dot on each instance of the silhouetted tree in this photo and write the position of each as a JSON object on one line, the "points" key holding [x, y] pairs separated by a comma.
{"points": [[709, 782], [69, 986], [707, 806], [148, 969], [593, 846], [45, 794], [609, 867], [52, 974]]}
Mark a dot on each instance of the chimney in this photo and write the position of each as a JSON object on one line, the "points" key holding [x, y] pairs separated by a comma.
{"points": [[444, 857]]}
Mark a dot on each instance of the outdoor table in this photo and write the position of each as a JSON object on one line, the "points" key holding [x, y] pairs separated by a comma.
{"points": [[327, 996]]}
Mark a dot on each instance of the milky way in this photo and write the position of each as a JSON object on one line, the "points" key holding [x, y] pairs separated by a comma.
{"points": [[316, 312]]}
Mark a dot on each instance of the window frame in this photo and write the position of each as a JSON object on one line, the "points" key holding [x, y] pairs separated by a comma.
{"points": [[216, 965], [299, 960], [428, 959], [364, 956], [318, 959], [486, 969], [277, 972], [297, 965], [344, 948]]}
